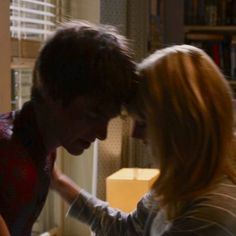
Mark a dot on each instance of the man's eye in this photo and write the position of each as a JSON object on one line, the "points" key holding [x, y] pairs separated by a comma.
{"points": [[92, 115]]}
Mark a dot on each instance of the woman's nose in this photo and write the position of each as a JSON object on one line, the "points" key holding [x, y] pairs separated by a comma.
{"points": [[139, 130]]}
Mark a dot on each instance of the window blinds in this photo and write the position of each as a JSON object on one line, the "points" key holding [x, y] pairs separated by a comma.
{"points": [[32, 19], [31, 23]]}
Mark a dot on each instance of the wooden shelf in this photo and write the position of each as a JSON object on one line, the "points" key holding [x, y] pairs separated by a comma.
{"points": [[22, 63], [211, 28], [204, 36], [25, 48]]}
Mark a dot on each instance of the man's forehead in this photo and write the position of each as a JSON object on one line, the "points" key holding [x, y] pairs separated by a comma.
{"points": [[106, 109], [99, 106]]}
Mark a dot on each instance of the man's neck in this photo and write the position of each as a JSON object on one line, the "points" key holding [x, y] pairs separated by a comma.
{"points": [[46, 125]]}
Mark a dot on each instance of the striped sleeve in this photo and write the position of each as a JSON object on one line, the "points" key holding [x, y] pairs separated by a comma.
{"points": [[107, 221]]}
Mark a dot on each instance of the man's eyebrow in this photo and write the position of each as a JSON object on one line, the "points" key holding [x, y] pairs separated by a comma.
{"points": [[103, 113]]}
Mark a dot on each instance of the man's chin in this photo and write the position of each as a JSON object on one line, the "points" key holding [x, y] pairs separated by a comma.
{"points": [[76, 149], [74, 152]]}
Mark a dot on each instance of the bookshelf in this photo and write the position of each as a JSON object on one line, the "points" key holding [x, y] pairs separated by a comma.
{"points": [[208, 24], [211, 25]]}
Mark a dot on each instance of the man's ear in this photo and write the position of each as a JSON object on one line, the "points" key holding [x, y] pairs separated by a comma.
{"points": [[51, 103]]}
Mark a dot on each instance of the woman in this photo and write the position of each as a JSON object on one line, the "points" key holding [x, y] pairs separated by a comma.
{"points": [[187, 107]]}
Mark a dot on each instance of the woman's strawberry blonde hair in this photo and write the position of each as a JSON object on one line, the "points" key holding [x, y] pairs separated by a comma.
{"points": [[189, 113]]}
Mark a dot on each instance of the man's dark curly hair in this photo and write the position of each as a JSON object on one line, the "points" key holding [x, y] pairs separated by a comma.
{"points": [[82, 59]]}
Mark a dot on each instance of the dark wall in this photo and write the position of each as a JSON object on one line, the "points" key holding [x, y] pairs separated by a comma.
{"points": [[173, 22]]}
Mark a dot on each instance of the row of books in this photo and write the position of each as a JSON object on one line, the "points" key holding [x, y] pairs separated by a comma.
{"points": [[222, 50], [210, 12]]}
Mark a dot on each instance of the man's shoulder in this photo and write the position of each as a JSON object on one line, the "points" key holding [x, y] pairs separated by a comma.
{"points": [[8, 148], [5, 126]]}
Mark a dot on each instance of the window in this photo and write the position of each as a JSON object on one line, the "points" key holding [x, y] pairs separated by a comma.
{"points": [[31, 23], [32, 19]]}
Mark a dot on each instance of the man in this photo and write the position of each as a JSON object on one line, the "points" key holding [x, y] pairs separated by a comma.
{"points": [[82, 78]]}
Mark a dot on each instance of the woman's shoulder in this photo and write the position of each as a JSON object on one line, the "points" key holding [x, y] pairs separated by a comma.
{"points": [[212, 212], [221, 196]]}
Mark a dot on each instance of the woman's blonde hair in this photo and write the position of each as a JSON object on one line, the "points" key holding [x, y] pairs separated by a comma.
{"points": [[189, 113]]}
